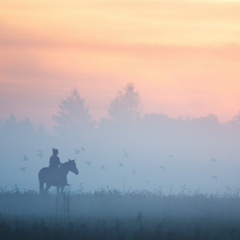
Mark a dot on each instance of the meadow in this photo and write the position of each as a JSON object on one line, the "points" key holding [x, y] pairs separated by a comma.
{"points": [[111, 214]]}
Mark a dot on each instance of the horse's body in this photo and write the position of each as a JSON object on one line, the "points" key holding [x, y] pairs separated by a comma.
{"points": [[56, 176]]}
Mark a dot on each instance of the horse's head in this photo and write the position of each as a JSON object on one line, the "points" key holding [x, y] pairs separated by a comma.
{"points": [[71, 166]]}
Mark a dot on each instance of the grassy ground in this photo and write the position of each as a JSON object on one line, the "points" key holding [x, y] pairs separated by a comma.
{"points": [[109, 214]]}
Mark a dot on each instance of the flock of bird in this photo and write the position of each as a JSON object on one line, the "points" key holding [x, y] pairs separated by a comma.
{"points": [[39, 154]]}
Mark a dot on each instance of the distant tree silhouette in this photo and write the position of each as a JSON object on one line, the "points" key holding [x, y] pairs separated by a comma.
{"points": [[236, 118], [18, 127], [72, 115], [126, 106], [19, 134]]}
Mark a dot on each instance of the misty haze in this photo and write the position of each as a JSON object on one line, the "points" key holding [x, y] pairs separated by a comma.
{"points": [[127, 151], [119, 120], [133, 168]]}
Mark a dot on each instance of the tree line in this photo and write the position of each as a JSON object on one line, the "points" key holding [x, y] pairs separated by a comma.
{"points": [[124, 110]]}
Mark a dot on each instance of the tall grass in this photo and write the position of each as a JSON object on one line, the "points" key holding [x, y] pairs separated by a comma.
{"points": [[110, 214]]}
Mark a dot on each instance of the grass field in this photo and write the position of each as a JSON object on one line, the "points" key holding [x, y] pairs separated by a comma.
{"points": [[109, 214]]}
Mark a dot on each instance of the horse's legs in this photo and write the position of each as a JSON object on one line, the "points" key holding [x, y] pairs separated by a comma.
{"points": [[47, 188], [60, 189], [41, 186]]}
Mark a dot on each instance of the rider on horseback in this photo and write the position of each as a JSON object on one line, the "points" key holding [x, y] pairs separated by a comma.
{"points": [[54, 161]]}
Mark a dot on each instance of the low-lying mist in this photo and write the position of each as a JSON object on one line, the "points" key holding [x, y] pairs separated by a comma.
{"points": [[140, 176], [153, 153]]}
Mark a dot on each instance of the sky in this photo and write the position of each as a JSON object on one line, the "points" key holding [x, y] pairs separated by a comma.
{"points": [[183, 56]]}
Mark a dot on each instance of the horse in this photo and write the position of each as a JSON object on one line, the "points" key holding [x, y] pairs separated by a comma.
{"points": [[56, 176]]}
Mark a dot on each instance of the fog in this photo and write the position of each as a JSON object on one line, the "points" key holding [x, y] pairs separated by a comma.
{"points": [[150, 152], [135, 176]]}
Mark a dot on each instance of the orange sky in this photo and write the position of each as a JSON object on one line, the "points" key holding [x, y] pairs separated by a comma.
{"points": [[182, 56]]}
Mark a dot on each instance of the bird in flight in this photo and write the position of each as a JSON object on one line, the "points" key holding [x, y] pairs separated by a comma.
{"points": [[103, 167], [77, 151], [162, 167], [120, 164], [214, 177], [23, 169], [213, 160], [125, 153], [83, 148], [39, 153], [25, 158], [133, 171], [88, 163]]}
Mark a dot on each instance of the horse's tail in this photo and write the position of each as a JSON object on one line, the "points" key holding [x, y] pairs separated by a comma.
{"points": [[41, 182]]}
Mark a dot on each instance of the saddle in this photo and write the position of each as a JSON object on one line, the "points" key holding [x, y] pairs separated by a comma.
{"points": [[57, 174]]}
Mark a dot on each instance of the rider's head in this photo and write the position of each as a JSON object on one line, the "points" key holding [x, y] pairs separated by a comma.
{"points": [[55, 151]]}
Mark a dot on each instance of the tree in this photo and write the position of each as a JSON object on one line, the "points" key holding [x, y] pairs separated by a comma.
{"points": [[126, 107], [72, 114], [14, 131]]}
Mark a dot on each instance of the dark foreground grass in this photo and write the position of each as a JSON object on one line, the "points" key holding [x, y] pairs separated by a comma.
{"points": [[116, 229], [109, 214]]}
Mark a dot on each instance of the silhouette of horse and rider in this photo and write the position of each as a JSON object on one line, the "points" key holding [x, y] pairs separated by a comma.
{"points": [[56, 173]]}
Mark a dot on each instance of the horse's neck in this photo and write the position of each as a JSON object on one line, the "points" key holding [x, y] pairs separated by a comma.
{"points": [[64, 169]]}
